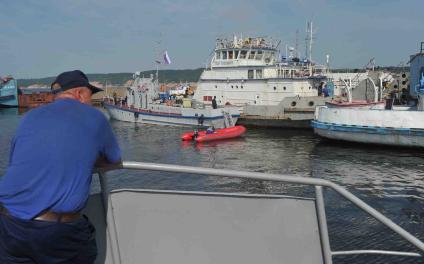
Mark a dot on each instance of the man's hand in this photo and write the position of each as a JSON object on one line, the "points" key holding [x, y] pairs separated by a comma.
{"points": [[103, 165]]}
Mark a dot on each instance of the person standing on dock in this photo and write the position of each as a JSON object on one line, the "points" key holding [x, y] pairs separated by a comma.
{"points": [[214, 105], [47, 182]]}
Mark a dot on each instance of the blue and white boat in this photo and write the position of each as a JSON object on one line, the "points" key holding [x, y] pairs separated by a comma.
{"points": [[374, 126], [143, 104], [399, 126], [8, 92]]}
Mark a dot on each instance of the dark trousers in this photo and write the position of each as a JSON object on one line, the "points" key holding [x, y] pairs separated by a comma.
{"points": [[32, 241]]}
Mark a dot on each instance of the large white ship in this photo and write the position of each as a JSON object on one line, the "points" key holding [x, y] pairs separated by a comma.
{"points": [[270, 90], [250, 72]]}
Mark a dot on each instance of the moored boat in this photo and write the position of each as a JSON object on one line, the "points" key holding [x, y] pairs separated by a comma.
{"points": [[219, 134], [8, 92], [371, 126], [398, 126], [143, 104]]}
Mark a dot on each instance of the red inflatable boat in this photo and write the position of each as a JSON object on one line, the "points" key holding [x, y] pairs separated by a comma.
{"points": [[225, 133]]}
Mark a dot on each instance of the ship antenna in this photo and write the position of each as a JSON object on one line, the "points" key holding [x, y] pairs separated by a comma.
{"points": [[158, 59], [297, 43], [309, 39]]}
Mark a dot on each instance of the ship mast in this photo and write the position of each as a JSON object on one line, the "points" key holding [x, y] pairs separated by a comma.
{"points": [[157, 60], [308, 42], [297, 43]]}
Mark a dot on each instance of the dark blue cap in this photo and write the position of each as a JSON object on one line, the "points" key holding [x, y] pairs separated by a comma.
{"points": [[72, 79]]}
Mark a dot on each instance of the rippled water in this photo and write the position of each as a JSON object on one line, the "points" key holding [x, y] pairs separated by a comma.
{"points": [[389, 179]]}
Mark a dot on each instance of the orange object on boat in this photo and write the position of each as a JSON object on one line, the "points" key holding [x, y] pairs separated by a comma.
{"points": [[224, 133]]}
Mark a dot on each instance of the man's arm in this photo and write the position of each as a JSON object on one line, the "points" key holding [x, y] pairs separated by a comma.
{"points": [[102, 164], [110, 154]]}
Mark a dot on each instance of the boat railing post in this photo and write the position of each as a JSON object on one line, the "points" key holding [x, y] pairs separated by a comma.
{"points": [[322, 223], [110, 219]]}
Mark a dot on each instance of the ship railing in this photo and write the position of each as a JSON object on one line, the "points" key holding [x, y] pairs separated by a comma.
{"points": [[319, 184]]}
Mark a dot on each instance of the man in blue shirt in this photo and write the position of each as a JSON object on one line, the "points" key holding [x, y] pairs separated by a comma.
{"points": [[47, 182]]}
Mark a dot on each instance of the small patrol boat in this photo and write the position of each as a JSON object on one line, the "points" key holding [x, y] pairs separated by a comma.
{"points": [[143, 104], [219, 134]]}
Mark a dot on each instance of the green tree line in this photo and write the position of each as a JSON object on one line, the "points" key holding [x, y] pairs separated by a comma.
{"points": [[121, 78]]}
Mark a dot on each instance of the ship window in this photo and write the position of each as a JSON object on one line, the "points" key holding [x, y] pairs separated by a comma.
{"points": [[252, 55], [284, 88], [230, 55], [218, 55], [267, 56], [275, 88], [216, 86], [224, 55], [250, 74], [259, 55], [258, 74], [236, 53], [232, 87], [241, 87], [243, 54], [237, 86], [280, 73]]}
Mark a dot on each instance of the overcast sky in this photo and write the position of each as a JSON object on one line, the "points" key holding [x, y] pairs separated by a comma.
{"points": [[40, 38]]}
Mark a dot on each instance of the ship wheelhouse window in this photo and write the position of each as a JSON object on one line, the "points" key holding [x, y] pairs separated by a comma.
{"points": [[243, 54], [230, 55], [236, 54], [259, 55], [258, 74], [218, 55], [252, 54], [224, 55], [250, 74]]}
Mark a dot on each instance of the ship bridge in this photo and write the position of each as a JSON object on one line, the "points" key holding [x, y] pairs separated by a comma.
{"points": [[244, 52]]}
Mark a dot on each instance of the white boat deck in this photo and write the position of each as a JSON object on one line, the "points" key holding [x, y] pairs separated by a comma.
{"points": [[150, 226]]}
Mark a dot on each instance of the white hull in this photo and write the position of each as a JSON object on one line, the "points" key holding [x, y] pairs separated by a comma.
{"points": [[369, 138], [386, 127], [184, 117], [253, 92]]}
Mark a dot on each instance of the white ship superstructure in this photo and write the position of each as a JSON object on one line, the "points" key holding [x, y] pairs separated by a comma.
{"points": [[249, 71]]}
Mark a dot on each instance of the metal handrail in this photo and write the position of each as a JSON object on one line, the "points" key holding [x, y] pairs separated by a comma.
{"points": [[295, 180]]}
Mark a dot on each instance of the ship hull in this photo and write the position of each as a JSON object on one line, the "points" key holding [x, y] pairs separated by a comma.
{"points": [[9, 94], [371, 126], [185, 117]]}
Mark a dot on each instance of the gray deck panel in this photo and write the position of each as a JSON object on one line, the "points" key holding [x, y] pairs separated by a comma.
{"points": [[166, 227]]}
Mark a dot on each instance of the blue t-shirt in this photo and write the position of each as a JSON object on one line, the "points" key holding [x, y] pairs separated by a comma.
{"points": [[52, 158]]}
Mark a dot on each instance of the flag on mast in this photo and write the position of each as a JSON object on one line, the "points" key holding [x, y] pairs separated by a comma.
{"points": [[166, 58]]}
